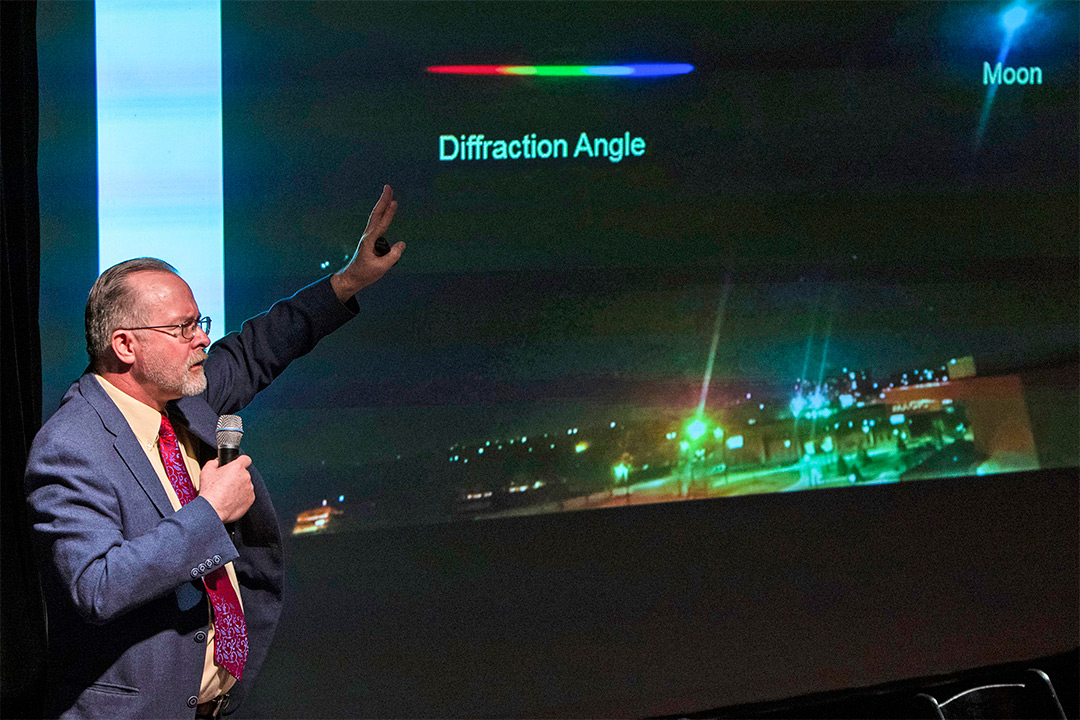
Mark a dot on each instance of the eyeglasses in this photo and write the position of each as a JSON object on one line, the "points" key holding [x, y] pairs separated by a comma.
{"points": [[187, 330]]}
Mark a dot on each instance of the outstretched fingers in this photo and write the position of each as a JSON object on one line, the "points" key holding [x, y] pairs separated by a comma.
{"points": [[382, 214]]}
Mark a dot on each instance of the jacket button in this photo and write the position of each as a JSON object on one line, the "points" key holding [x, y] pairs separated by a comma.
{"points": [[193, 701], [200, 637]]}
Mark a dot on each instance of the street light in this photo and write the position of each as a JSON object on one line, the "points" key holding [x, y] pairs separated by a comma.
{"points": [[695, 429]]}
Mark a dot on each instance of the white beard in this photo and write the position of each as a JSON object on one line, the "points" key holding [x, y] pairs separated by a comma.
{"points": [[186, 382]]}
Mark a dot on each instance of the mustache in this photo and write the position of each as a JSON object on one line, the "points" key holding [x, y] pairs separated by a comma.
{"points": [[196, 359]]}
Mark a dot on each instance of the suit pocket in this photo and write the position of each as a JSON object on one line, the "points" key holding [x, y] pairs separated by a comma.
{"points": [[112, 689], [107, 701]]}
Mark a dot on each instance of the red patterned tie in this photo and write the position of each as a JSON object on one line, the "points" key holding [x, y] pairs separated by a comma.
{"points": [[230, 631]]}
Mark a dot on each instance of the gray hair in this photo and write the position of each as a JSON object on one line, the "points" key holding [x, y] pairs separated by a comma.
{"points": [[112, 304]]}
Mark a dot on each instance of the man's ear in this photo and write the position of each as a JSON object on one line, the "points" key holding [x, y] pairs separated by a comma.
{"points": [[123, 346]]}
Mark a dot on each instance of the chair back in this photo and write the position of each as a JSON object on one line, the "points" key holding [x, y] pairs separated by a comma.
{"points": [[1025, 696]]}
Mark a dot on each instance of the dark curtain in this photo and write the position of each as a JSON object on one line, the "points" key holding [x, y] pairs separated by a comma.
{"points": [[23, 629]]}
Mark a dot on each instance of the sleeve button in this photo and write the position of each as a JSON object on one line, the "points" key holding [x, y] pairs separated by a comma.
{"points": [[194, 572]]}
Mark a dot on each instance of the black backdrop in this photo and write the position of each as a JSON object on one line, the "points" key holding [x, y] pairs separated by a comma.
{"points": [[661, 609], [22, 616]]}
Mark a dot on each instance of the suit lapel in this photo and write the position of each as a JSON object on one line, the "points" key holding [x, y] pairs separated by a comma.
{"points": [[125, 443], [200, 421]]}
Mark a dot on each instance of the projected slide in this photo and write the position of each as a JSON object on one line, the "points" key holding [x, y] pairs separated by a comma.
{"points": [[656, 251]]}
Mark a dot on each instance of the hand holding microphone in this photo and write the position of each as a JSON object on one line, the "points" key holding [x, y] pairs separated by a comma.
{"points": [[226, 482], [230, 430]]}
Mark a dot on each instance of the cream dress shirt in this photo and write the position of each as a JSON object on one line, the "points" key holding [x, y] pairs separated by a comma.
{"points": [[145, 422]]}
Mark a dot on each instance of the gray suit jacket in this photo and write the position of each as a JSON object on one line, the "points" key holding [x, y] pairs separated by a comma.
{"points": [[122, 571]]}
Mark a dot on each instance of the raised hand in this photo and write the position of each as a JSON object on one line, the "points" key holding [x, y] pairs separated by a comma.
{"points": [[366, 267]]}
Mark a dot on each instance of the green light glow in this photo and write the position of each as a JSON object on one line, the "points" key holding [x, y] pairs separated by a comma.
{"points": [[695, 429], [547, 70]]}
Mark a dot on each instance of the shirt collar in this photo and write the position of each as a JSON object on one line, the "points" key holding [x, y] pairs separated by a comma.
{"points": [[144, 420]]}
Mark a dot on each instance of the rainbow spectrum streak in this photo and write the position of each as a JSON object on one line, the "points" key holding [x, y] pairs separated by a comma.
{"points": [[647, 70]]}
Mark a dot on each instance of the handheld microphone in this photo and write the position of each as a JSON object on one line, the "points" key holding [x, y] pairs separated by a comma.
{"points": [[382, 246], [230, 428]]}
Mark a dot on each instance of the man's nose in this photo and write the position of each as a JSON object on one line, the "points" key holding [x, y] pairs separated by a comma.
{"points": [[200, 338]]}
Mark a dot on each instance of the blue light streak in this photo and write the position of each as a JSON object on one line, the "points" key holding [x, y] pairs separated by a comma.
{"points": [[1010, 20], [160, 189], [644, 70]]}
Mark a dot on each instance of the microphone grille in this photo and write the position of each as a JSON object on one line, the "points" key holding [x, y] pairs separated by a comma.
{"points": [[230, 428]]}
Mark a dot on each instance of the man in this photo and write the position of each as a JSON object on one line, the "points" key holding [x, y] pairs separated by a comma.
{"points": [[163, 569]]}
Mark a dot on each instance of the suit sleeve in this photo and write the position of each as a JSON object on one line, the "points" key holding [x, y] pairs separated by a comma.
{"points": [[78, 523], [243, 363]]}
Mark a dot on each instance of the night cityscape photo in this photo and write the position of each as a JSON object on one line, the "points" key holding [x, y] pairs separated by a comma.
{"points": [[844, 251], [821, 272]]}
